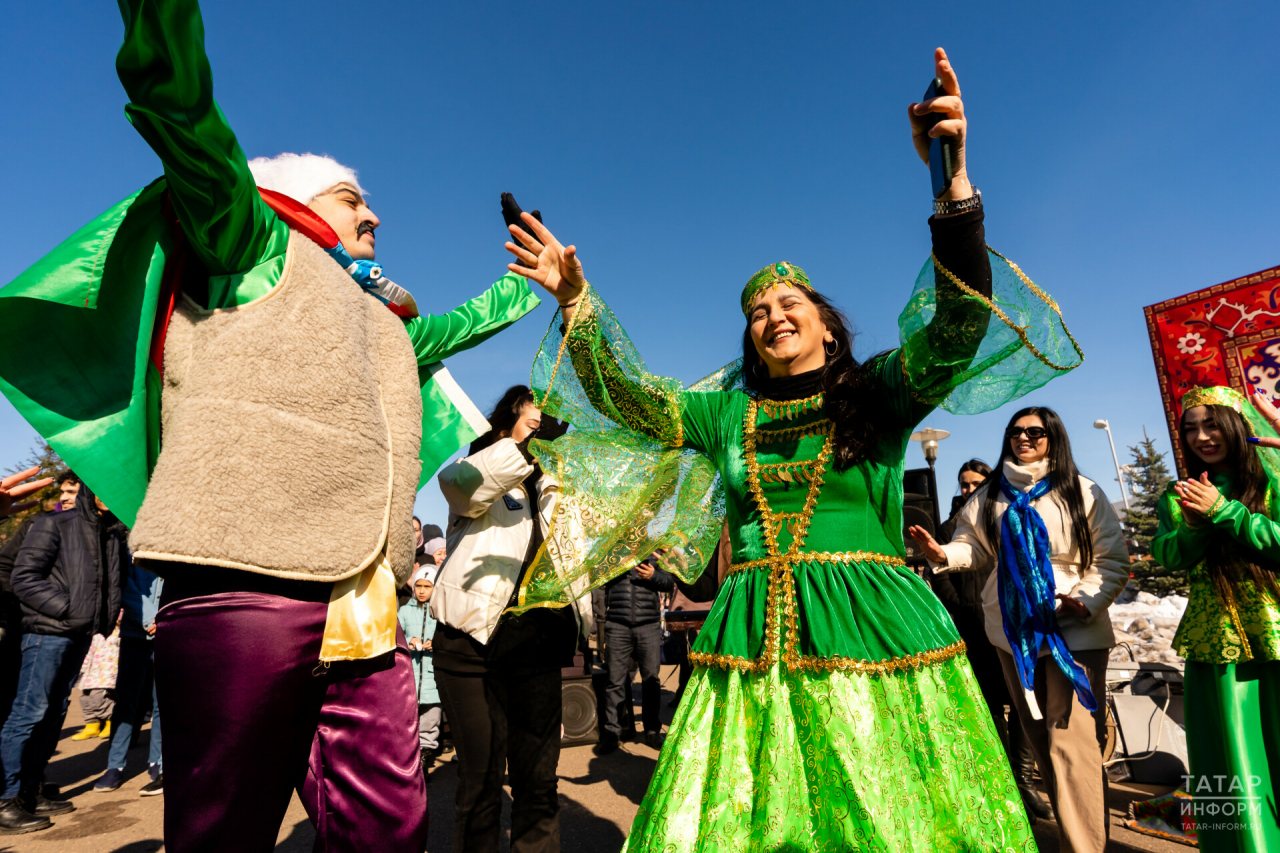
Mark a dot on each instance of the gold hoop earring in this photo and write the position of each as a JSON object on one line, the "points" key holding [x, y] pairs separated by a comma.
{"points": [[834, 350]]}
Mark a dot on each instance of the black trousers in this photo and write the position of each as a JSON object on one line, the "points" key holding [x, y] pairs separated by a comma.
{"points": [[622, 643], [505, 717]]}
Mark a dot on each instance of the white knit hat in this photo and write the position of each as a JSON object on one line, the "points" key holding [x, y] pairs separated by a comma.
{"points": [[427, 573], [301, 176]]}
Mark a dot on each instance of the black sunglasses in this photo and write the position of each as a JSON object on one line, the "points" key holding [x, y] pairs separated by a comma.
{"points": [[1033, 433]]}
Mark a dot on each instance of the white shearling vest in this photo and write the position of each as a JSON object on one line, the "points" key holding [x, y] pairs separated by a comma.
{"points": [[290, 428]]}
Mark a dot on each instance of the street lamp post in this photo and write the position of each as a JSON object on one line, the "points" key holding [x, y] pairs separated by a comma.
{"points": [[1103, 424]]}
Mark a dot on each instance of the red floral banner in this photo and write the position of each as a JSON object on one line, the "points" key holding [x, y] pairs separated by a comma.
{"points": [[1228, 334]]}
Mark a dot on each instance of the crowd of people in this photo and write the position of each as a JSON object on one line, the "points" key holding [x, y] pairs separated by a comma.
{"points": [[833, 698]]}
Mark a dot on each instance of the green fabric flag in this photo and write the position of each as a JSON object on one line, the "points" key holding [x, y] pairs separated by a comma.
{"points": [[95, 294]]}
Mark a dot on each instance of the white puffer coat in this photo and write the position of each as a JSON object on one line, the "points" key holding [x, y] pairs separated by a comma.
{"points": [[490, 527]]}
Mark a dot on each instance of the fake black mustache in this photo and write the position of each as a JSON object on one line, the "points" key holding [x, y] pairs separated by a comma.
{"points": [[362, 229]]}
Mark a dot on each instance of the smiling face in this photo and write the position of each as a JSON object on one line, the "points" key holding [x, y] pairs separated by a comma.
{"points": [[788, 331], [1204, 436], [347, 214], [1028, 449]]}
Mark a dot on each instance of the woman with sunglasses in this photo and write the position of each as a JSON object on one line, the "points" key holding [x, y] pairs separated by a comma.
{"points": [[1060, 561], [831, 706], [1219, 526]]}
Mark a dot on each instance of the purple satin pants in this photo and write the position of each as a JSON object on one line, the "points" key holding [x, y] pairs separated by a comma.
{"points": [[247, 722]]}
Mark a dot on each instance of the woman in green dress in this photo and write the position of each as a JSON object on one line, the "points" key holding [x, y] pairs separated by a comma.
{"points": [[1219, 525], [831, 707]]}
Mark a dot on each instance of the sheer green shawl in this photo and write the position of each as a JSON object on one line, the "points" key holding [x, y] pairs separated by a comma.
{"points": [[627, 487]]}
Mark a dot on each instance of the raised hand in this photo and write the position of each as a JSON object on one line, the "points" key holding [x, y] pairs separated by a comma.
{"points": [[545, 260], [1268, 411], [953, 124], [928, 545], [10, 490]]}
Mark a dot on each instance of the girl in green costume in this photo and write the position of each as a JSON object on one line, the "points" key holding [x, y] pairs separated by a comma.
{"points": [[831, 707], [1219, 525]]}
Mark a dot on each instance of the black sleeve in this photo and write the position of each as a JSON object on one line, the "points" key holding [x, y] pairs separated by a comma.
{"points": [[9, 553], [660, 582], [31, 570], [707, 585], [958, 326], [960, 245]]}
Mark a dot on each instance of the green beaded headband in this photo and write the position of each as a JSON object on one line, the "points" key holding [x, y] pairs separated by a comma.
{"points": [[772, 276], [1214, 395]]}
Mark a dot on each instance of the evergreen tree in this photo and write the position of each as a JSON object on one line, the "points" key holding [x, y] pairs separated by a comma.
{"points": [[51, 465], [1148, 477]]}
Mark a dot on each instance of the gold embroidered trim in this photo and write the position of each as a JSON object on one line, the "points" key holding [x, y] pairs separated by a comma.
{"points": [[770, 520], [795, 433], [817, 557], [810, 663], [787, 472], [790, 408], [1020, 331], [584, 306]]}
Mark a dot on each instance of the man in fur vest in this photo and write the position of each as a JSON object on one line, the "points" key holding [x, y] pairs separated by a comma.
{"points": [[248, 392]]}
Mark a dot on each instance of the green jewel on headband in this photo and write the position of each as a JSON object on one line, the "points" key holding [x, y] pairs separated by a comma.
{"points": [[772, 276], [1214, 395]]}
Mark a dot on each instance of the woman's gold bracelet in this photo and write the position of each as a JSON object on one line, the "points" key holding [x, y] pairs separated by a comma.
{"points": [[1217, 505]]}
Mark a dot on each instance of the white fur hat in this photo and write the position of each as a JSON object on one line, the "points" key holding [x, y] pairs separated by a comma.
{"points": [[301, 176]]}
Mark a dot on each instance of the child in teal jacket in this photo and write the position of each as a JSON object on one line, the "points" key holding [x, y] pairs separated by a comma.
{"points": [[419, 627]]}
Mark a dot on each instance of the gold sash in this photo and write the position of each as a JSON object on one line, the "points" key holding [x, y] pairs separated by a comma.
{"points": [[361, 622]]}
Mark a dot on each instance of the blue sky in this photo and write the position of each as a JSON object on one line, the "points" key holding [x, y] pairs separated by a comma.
{"points": [[1125, 153]]}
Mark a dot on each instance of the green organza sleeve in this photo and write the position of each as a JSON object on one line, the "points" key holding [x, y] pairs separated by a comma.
{"points": [[597, 377], [1177, 545], [968, 352], [633, 475]]}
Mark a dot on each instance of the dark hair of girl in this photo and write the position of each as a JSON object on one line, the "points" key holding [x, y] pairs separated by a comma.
{"points": [[505, 415], [845, 384], [974, 466], [1226, 561], [1063, 474]]}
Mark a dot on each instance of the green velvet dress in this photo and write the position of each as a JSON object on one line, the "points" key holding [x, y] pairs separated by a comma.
{"points": [[831, 707], [1232, 690]]}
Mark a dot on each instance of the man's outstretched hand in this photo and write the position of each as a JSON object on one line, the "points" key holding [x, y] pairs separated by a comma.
{"points": [[12, 488]]}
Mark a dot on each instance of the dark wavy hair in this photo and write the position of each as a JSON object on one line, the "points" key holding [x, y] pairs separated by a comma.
{"points": [[505, 415], [845, 385], [1063, 473], [1227, 561], [974, 466]]}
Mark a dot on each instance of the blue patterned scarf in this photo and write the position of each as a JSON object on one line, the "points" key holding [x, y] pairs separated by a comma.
{"points": [[1027, 587]]}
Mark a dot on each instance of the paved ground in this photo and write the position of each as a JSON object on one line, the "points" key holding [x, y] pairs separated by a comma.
{"points": [[598, 797]]}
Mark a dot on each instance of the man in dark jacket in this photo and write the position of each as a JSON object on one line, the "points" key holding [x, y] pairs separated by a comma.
{"points": [[67, 579], [633, 628]]}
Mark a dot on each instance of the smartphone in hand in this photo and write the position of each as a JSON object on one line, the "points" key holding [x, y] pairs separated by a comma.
{"points": [[941, 149]]}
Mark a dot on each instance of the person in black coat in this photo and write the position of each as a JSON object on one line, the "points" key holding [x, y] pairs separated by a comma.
{"points": [[66, 578], [633, 628]]}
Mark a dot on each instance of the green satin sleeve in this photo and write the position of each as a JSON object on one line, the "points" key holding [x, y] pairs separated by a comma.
{"points": [[436, 337], [1177, 545], [166, 74], [1251, 529]]}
